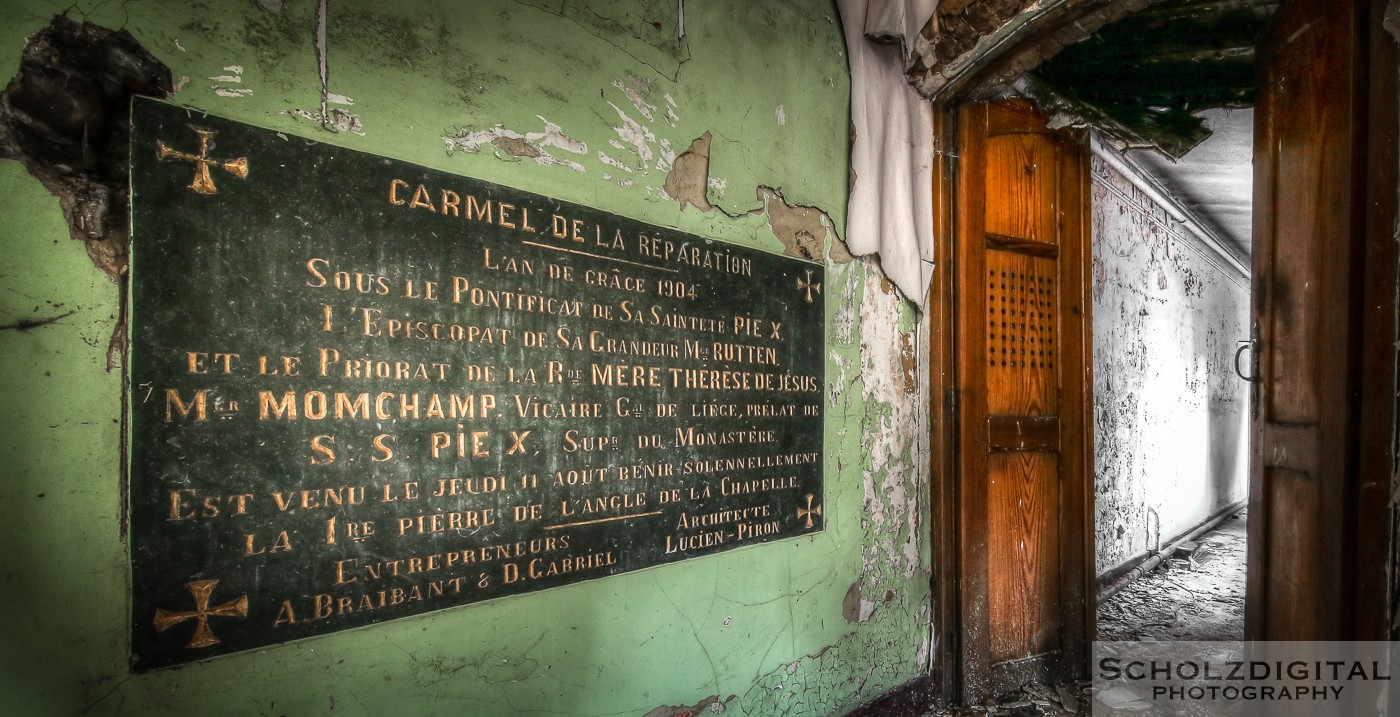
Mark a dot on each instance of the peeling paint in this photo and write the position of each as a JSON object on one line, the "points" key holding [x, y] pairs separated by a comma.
{"points": [[608, 160], [712, 704], [235, 76], [331, 119], [688, 179], [1170, 421], [671, 116], [631, 134], [782, 116], [338, 121], [534, 145], [802, 230], [759, 630], [646, 109]]}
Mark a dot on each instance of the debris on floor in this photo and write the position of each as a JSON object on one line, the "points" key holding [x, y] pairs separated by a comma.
{"points": [[1196, 594], [1032, 700]]}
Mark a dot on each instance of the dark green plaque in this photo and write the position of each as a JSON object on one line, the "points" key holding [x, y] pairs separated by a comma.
{"points": [[363, 390]]}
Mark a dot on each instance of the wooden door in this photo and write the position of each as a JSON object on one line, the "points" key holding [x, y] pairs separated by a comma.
{"points": [[1324, 315], [1023, 349]]}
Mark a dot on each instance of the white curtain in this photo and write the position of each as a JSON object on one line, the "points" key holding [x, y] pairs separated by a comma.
{"points": [[891, 205]]}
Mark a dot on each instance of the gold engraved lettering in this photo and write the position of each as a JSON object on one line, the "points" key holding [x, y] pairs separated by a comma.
{"points": [[483, 485], [729, 486], [682, 543], [394, 192], [198, 404], [425, 524], [541, 568], [198, 361], [450, 201], [282, 544], [421, 200], [480, 211]]}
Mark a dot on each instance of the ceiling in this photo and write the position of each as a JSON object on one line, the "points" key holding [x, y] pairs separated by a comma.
{"points": [[1143, 79], [1173, 83], [1214, 179]]}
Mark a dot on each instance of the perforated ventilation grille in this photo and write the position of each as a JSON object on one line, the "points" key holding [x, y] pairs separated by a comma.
{"points": [[1020, 315]]}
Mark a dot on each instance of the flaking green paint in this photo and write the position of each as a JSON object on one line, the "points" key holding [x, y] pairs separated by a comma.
{"points": [[760, 627]]}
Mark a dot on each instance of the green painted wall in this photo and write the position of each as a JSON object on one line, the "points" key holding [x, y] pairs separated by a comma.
{"points": [[810, 626]]}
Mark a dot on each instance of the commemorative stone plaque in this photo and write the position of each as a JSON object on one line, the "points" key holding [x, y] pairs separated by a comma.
{"points": [[362, 389]]}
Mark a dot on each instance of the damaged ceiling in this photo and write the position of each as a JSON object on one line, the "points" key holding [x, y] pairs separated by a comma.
{"points": [[1175, 83], [1169, 81], [1215, 180], [1145, 79], [1153, 77]]}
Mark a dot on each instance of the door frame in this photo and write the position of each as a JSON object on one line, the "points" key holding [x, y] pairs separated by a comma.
{"points": [[1378, 406], [950, 663]]}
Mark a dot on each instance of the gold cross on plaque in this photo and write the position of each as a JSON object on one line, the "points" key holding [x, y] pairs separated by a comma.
{"points": [[809, 511], [810, 287], [203, 636], [203, 182]]}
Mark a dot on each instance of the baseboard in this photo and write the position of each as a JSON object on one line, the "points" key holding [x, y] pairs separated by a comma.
{"points": [[1114, 574]]}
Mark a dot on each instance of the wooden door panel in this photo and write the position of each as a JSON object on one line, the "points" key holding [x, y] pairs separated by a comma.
{"points": [[1022, 361], [1020, 170], [1310, 144], [1293, 498], [1022, 335], [1324, 258], [1023, 498]]}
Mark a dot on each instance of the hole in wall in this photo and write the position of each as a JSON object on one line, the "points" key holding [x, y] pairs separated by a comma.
{"points": [[65, 116]]}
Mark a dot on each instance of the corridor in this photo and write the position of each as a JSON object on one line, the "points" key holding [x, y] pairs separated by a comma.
{"points": [[1200, 597]]}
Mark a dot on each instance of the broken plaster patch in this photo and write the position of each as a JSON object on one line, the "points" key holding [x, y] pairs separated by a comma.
{"points": [[688, 180], [855, 608], [533, 145], [801, 229], [65, 117], [75, 155]]}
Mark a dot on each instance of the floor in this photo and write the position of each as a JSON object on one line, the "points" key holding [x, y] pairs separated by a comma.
{"points": [[1200, 597]]}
